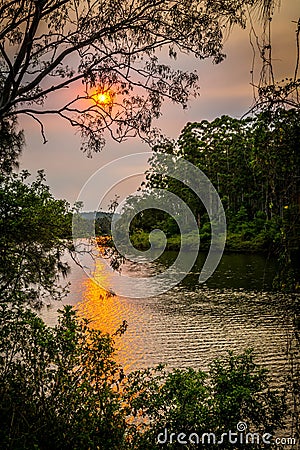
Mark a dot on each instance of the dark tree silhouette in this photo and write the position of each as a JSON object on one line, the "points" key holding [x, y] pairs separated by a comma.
{"points": [[105, 52]]}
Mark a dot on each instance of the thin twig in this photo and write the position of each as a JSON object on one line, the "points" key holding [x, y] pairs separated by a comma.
{"points": [[41, 126]]}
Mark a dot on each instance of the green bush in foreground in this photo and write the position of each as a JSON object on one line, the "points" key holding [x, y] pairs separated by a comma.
{"points": [[58, 385], [60, 388]]}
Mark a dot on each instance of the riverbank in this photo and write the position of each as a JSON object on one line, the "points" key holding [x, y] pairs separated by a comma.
{"points": [[235, 242]]}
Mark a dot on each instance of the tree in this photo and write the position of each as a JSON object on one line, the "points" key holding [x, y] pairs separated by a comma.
{"points": [[105, 52], [35, 231], [11, 143], [269, 92], [254, 165]]}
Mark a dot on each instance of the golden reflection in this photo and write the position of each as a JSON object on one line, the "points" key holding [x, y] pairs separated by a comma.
{"points": [[106, 312]]}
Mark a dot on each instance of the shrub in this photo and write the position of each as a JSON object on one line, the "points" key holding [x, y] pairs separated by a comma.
{"points": [[60, 388]]}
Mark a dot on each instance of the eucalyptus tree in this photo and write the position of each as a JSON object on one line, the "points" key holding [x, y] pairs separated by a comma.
{"points": [[254, 165], [102, 59]]}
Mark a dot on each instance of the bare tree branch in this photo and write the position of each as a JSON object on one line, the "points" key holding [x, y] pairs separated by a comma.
{"points": [[41, 126]]}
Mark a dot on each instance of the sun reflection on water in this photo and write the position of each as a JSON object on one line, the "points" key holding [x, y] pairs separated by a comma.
{"points": [[188, 328], [106, 312]]}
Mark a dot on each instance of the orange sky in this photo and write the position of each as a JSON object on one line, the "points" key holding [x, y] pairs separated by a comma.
{"points": [[225, 89]]}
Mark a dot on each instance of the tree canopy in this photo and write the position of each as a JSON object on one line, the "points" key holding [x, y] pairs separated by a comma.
{"points": [[35, 231], [254, 165], [105, 52]]}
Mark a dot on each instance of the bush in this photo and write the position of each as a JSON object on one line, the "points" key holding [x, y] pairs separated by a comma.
{"points": [[59, 386], [191, 401], [62, 389]]}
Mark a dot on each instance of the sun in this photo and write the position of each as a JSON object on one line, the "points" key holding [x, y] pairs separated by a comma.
{"points": [[103, 98]]}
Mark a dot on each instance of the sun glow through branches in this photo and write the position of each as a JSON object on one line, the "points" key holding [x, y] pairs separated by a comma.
{"points": [[103, 98]]}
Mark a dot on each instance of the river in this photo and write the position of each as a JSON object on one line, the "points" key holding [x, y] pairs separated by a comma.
{"points": [[192, 324]]}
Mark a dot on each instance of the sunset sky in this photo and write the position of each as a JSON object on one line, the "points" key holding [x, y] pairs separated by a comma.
{"points": [[225, 89]]}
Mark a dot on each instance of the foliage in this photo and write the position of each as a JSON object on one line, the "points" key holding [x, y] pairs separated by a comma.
{"points": [[61, 388], [11, 142], [107, 52], [252, 162], [254, 165], [193, 401], [35, 231], [58, 386], [284, 92]]}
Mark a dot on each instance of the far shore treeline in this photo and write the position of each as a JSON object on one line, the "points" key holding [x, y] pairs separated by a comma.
{"points": [[254, 164]]}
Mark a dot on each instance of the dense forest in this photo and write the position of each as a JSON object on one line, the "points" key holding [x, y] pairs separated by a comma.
{"points": [[254, 164]]}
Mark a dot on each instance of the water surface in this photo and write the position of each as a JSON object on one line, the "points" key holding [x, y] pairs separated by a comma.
{"points": [[192, 324]]}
